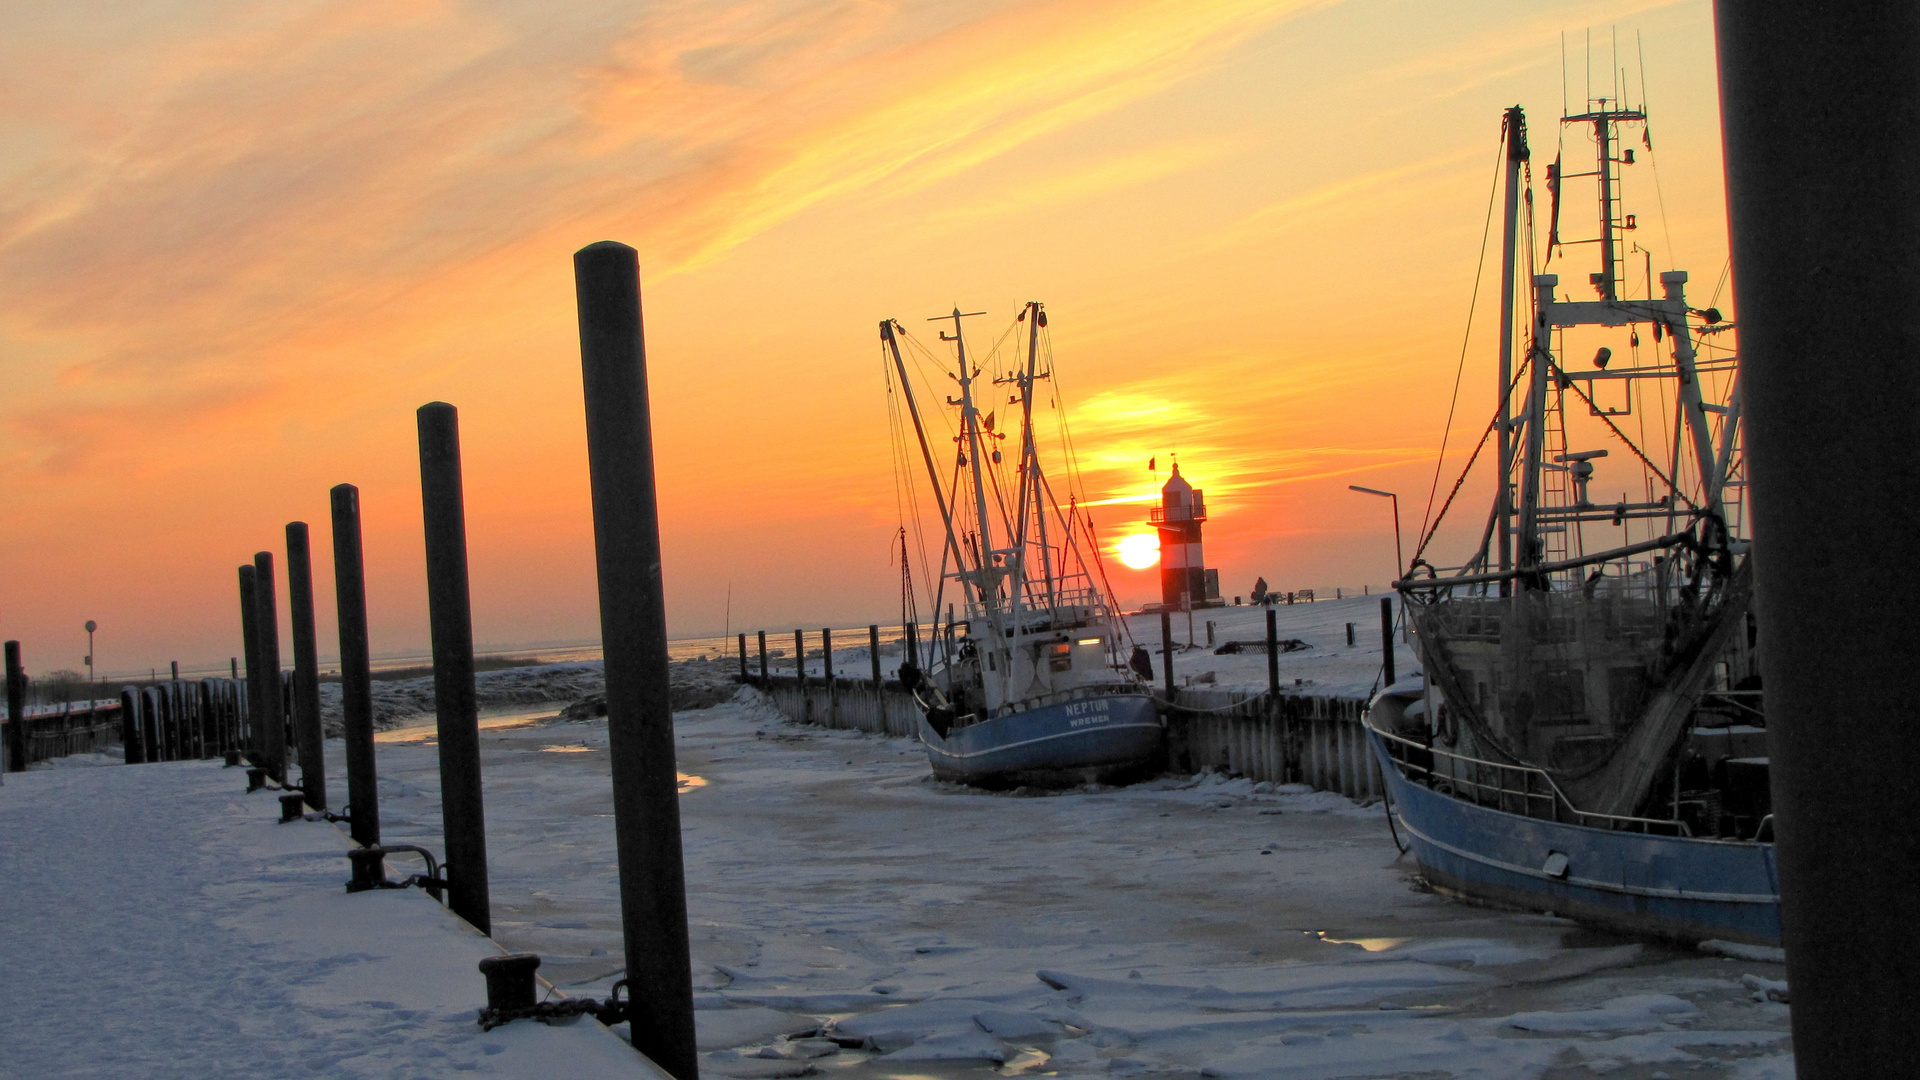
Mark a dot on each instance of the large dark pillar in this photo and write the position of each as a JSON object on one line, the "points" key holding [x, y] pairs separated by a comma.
{"points": [[633, 634], [356, 666], [16, 710], [455, 703], [1820, 106], [269, 704], [248, 723], [306, 666]]}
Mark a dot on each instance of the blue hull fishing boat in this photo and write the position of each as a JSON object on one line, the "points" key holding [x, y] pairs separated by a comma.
{"points": [[1587, 732], [1107, 739], [1020, 681]]}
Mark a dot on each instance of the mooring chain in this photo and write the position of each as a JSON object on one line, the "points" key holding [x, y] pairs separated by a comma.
{"points": [[609, 1012]]}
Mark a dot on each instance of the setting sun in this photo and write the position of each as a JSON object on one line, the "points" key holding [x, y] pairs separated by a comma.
{"points": [[1140, 550]]}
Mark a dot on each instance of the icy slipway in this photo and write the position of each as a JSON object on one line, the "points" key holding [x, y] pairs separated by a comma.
{"points": [[158, 923]]}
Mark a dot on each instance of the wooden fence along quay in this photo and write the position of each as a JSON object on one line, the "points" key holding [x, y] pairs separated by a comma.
{"points": [[1270, 735]]}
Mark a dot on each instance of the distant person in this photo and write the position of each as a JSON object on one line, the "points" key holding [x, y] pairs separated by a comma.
{"points": [[1260, 591], [1142, 663]]}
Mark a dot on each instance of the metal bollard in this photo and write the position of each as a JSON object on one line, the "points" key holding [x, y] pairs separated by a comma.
{"points": [[292, 807], [633, 629], [369, 868], [233, 759], [510, 982], [256, 778], [356, 666], [306, 667], [450, 611]]}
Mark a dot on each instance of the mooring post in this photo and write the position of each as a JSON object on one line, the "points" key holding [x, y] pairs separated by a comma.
{"points": [[270, 709], [356, 666], [873, 649], [1349, 635], [16, 710], [1386, 639], [800, 657], [1273, 652], [1166, 650], [250, 648], [306, 666], [1826, 273], [826, 653], [633, 632], [763, 659], [743, 657], [455, 702]]}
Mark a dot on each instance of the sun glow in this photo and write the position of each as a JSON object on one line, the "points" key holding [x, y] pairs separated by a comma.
{"points": [[1140, 550]]}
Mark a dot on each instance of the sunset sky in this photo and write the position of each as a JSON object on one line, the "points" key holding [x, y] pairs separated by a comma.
{"points": [[240, 242]]}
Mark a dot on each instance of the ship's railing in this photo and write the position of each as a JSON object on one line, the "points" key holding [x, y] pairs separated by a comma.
{"points": [[1516, 789]]}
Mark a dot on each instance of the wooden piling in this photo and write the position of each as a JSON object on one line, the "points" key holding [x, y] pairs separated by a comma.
{"points": [[1823, 177], [269, 704], [1386, 640], [800, 657], [356, 666], [455, 702], [873, 648], [1273, 652], [743, 657], [1166, 651], [308, 739], [633, 630], [16, 710], [763, 657]]}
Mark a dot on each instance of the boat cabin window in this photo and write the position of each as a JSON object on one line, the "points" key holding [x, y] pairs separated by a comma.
{"points": [[1060, 656]]}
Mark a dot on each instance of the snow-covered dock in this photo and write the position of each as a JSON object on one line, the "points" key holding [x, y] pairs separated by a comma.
{"points": [[156, 922]]}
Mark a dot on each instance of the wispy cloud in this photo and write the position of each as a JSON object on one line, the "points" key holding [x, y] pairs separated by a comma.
{"points": [[258, 191]]}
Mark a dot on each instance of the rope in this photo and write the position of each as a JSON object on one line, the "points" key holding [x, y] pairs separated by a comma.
{"points": [[1466, 337]]}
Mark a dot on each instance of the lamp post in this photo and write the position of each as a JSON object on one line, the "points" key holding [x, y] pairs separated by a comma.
{"points": [[1400, 560], [91, 627]]}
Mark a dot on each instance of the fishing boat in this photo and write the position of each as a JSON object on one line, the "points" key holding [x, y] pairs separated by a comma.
{"points": [[1020, 680], [1586, 735]]}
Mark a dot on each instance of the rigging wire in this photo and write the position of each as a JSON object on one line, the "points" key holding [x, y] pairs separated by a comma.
{"points": [[1466, 337]]}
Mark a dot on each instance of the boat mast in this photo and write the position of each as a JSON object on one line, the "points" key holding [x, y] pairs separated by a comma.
{"points": [[1030, 455], [1516, 132], [984, 585], [926, 452]]}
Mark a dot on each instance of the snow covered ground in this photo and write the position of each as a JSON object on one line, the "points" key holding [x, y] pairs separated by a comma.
{"points": [[849, 916], [157, 923]]}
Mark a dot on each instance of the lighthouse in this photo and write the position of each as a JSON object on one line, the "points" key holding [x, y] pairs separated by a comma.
{"points": [[1184, 580]]}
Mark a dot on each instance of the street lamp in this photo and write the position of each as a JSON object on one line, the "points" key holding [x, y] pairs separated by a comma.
{"points": [[1399, 556], [91, 627]]}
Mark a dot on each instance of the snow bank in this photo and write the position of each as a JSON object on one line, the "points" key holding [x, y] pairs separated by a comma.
{"points": [[161, 924], [696, 684]]}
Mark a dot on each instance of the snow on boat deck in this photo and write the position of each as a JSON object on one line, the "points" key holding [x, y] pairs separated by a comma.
{"points": [[1182, 927], [156, 922]]}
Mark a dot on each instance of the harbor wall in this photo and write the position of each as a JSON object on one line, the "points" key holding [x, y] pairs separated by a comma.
{"points": [[1288, 738]]}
